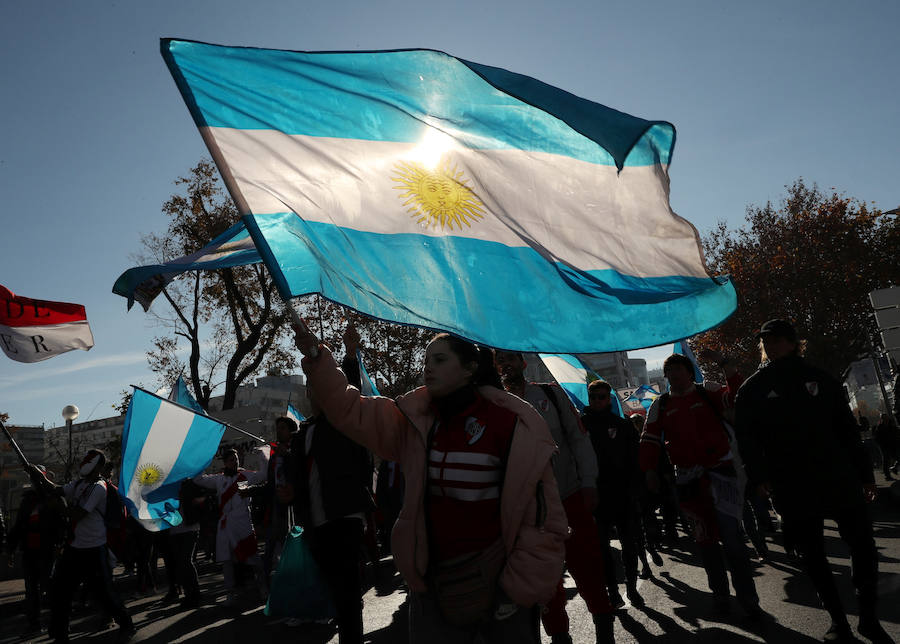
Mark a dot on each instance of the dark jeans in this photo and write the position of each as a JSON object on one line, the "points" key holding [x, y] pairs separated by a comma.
{"points": [[335, 547], [182, 553], [90, 565], [145, 558], [731, 553], [855, 528], [720, 540], [36, 567], [280, 522], [623, 516], [888, 457], [756, 521], [166, 548]]}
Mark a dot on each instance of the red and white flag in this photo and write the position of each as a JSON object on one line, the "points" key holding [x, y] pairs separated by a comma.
{"points": [[34, 330]]}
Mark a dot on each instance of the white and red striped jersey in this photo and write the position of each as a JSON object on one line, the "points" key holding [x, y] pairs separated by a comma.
{"points": [[466, 466]]}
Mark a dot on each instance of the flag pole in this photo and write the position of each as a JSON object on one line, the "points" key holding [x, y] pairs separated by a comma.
{"points": [[175, 382], [15, 445], [221, 422], [319, 309]]}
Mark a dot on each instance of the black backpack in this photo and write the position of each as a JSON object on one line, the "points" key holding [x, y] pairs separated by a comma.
{"points": [[114, 512]]}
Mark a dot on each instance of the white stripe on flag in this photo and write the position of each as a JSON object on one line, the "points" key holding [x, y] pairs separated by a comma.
{"points": [[359, 180], [39, 342], [161, 450], [563, 371]]}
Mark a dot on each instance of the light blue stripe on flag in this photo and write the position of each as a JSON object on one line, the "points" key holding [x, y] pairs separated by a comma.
{"points": [[574, 376], [143, 283], [645, 395], [183, 397], [504, 297], [423, 189], [391, 95], [162, 444], [367, 385], [295, 415]]}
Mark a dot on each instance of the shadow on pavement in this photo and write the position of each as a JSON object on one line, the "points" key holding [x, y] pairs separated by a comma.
{"points": [[397, 632]]}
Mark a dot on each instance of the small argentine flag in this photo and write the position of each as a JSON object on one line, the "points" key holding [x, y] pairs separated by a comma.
{"points": [[684, 349], [181, 395], [294, 415], [366, 385], [163, 443], [645, 395], [573, 376], [234, 247]]}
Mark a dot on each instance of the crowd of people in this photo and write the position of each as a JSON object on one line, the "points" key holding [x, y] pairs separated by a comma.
{"points": [[490, 488]]}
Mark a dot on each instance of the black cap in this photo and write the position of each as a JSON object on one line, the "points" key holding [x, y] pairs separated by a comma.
{"points": [[781, 328]]}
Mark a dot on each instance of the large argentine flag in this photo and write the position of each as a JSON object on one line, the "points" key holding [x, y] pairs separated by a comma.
{"points": [[234, 247], [424, 189], [573, 376], [34, 330], [163, 443]]}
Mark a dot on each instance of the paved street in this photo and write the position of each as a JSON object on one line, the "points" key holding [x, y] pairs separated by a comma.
{"points": [[678, 607]]}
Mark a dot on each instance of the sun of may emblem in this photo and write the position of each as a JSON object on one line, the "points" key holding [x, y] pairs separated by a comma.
{"points": [[148, 474], [438, 197]]}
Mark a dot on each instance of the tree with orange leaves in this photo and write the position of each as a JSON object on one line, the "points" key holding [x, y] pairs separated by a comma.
{"points": [[812, 261]]}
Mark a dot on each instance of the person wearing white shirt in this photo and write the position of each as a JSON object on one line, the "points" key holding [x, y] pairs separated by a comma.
{"points": [[85, 557], [235, 536]]}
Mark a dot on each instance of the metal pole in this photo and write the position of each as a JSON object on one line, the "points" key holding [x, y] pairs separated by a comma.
{"points": [[14, 444], [321, 323], [69, 461], [221, 422], [884, 396]]}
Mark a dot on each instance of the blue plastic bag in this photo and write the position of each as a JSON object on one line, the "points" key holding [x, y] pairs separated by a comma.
{"points": [[297, 589]]}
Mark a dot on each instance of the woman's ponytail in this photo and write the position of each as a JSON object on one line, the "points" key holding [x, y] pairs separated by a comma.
{"points": [[487, 370]]}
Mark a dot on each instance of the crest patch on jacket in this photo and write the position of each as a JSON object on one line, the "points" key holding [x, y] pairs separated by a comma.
{"points": [[474, 429]]}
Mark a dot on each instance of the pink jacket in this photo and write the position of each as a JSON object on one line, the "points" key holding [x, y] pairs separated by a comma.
{"points": [[533, 525]]}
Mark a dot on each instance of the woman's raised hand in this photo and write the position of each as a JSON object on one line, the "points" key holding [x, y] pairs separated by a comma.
{"points": [[304, 339], [351, 338]]}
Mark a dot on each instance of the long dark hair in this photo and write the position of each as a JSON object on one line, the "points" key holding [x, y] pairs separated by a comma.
{"points": [[468, 352]]}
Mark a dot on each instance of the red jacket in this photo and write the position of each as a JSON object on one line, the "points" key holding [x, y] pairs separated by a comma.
{"points": [[689, 426]]}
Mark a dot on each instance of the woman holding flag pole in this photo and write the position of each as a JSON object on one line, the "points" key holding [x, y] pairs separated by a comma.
{"points": [[479, 540]]}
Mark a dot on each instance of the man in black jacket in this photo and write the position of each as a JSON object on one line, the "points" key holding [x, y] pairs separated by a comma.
{"points": [[800, 442], [38, 531], [329, 480], [886, 435], [279, 515], [616, 444]]}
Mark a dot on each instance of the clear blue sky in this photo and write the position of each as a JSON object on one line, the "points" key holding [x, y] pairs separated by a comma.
{"points": [[94, 131]]}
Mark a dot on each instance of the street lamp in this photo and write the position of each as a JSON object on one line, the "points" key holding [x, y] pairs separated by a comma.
{"points": [[69, 413]]}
